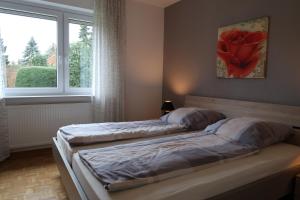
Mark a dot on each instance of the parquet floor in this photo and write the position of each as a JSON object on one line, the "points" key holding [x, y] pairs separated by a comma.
{"points": [[30, 175]]}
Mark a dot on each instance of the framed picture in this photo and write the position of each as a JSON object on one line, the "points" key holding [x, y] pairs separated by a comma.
{"points": [[242, 49]]}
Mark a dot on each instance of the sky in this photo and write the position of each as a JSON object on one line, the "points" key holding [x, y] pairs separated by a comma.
{"points": [[16, 31]]}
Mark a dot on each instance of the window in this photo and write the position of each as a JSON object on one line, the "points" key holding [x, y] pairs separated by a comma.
{"points": [[80, 51], [45, 51], [30, 51]]}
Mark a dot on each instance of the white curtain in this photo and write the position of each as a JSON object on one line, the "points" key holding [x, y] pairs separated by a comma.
{"points": [[108, 60], [4, 141]]}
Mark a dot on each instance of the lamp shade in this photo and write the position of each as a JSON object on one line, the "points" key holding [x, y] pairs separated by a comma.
{"points": [[167, 106]]}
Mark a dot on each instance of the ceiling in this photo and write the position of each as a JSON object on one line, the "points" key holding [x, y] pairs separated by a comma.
{"points": [[160, 3]]}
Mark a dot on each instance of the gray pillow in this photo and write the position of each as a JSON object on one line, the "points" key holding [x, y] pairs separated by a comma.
{"points": [[193, 118], [251, 131], [213, 128]]}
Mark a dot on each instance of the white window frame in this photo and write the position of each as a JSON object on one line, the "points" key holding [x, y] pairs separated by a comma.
{"points": [[62, 18]]}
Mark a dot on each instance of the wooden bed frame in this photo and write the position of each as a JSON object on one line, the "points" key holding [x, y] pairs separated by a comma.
{"points": [[281, 184]]}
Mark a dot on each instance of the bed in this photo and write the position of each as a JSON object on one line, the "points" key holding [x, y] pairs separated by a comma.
{"points": [[80, 184], [203, 184], [75, 137]]}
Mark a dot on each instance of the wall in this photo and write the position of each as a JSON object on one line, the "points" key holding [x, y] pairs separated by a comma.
{"points": [[145, 26], [190, 50]]}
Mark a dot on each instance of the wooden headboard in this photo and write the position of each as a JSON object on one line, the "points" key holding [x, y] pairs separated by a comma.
{"points": [[235, 108]]}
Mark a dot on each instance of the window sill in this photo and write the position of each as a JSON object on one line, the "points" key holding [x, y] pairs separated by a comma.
{"points": [[51, 99]]}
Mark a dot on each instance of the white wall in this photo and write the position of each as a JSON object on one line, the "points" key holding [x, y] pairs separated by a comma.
{"points": [[144, 67], [145, 30]]}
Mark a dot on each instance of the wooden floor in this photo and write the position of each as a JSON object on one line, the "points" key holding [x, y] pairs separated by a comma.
{"points": [[30, 175]]}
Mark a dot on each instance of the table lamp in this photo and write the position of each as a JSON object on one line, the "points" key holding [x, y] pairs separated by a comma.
{"points": [[167, 107]]}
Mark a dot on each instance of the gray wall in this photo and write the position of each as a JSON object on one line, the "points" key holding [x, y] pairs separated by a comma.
{"points": [[190, 50]]}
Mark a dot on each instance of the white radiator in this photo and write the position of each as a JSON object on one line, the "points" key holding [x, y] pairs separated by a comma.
{"points": [[35, 125]]}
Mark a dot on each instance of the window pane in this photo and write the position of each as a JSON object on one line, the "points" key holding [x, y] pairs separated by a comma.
{"points": [[29, 46], [80, 54]]}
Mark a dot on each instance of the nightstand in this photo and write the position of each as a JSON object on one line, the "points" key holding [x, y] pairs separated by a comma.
{"points": [[297, 188]]}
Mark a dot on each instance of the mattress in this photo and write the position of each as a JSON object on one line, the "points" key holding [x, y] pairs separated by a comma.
{"points": [[202, 184], [69, 150]]}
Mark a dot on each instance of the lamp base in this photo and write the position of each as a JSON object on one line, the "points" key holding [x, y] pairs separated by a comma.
{"points": [[164, 112]]}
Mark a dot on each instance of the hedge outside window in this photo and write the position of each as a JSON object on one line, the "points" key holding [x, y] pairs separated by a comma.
{"points": [[36, 77]]}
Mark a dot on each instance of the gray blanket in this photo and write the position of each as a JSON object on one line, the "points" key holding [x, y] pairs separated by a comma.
{"points": [[83, 134], [136, 164]]}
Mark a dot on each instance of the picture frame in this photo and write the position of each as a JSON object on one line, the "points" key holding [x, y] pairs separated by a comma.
{"points": [[242, 49]]}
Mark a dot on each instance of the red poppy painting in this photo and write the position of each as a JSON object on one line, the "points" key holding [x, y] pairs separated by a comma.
{"points": [[241, 49]]}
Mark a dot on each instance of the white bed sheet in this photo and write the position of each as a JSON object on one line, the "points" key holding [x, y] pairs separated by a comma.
{"points": [[68, 151], [202, 184]]}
